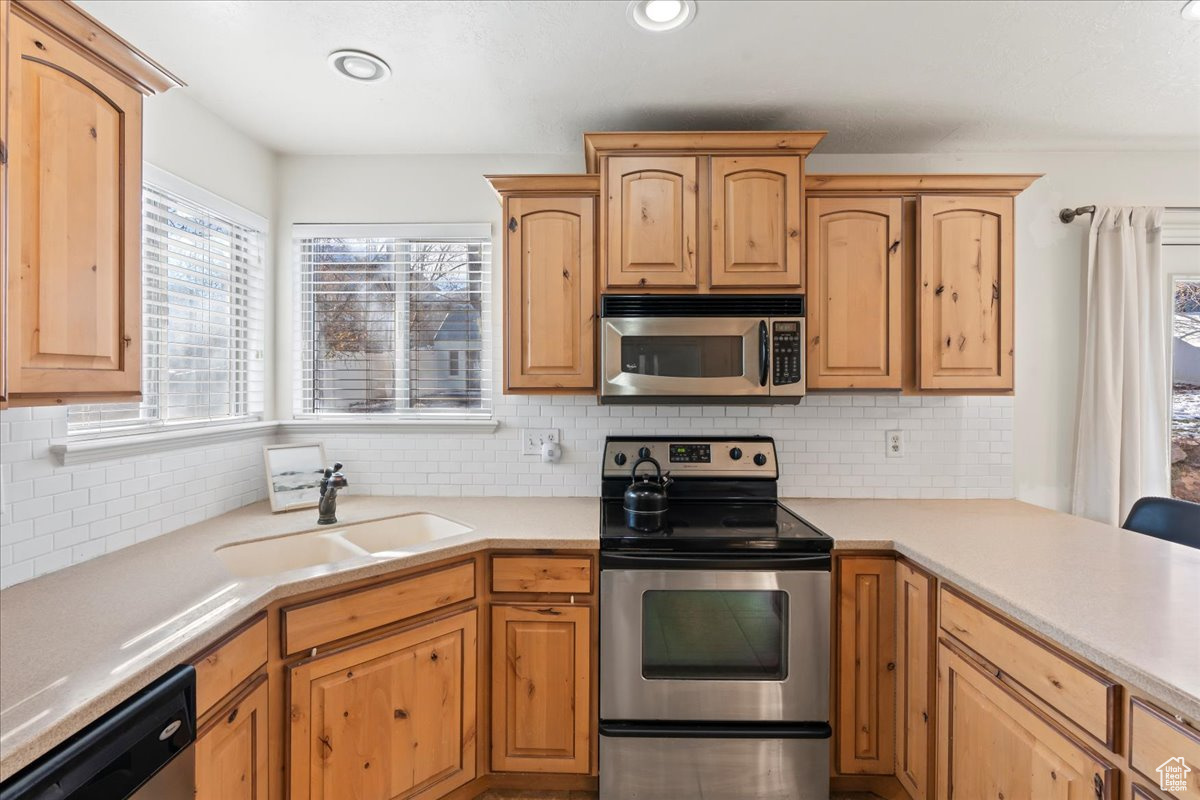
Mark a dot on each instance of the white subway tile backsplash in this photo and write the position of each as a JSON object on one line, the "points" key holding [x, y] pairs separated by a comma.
{"points": [[52, 516]]}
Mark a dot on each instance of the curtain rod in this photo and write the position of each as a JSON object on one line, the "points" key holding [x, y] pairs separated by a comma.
{"points": [[1069, 214]]}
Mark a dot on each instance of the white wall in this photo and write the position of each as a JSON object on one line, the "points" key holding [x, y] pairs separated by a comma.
{"points": [[53, 516]]}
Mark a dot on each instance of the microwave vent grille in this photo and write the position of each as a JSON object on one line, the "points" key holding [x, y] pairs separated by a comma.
{"points": [[710, 305]]}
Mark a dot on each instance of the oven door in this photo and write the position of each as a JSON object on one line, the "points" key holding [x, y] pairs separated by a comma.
{"points": [[712, 644], [685, 357]]}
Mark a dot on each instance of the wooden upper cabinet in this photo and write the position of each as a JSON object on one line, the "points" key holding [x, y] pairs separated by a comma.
{"points": [[915, 698], [541, 688], [990, 744], [854, 293], [652, 222], [550, 286], [865, 664], [389, 718], [756, 222], [231, 753], [73, 300], [965, 293]]}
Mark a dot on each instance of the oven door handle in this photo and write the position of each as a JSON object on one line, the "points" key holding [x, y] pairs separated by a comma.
{"points": [[764, 353], [717, 730], [812, 562]]}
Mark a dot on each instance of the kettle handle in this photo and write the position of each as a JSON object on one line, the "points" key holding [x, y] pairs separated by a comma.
{"points": [[639, 462]]}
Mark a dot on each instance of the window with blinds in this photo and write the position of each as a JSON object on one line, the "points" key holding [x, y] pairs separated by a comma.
{"points": [[394, 320], [203, 316]]}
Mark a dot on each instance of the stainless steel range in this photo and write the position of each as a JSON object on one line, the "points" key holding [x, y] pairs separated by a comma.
{"points": [[714, 630]]}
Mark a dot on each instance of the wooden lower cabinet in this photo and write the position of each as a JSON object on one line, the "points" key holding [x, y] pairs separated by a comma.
{"points": [[231, 752], [541, 688], [865, 663], [393, 717], [915, 687], [992, 745]]}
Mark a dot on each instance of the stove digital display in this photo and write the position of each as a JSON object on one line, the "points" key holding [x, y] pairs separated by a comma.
{"points": [[691, 453]]}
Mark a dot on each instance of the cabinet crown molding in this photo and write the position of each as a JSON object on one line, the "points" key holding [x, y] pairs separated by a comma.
{"points": [[544, 184], [87, 34], [1002, 184], [697, 142]]}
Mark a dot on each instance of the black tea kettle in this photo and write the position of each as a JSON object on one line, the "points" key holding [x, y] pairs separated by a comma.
{"points": [[646, 498]]}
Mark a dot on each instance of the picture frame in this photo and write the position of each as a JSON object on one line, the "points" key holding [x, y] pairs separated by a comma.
{"points": [[294, 473]]}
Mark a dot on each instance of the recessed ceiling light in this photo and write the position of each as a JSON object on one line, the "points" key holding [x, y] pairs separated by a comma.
{"points": [[359, 65], [660, 15], [1191, 11]]}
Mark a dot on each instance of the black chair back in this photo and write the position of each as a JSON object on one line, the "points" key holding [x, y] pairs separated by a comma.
{"points": [[1166, 518]]}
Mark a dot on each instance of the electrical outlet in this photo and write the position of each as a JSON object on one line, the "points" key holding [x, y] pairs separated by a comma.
{"points": [[894, 444], [532, 439]]}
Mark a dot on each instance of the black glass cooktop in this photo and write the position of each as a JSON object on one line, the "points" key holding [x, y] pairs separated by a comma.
{"points": [[716, 526]]}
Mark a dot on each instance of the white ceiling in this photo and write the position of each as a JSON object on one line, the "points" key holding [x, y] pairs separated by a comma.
{"points": [[529, 77]]}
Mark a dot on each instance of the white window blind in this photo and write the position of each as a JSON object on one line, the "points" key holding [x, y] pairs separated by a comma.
{"points": [[394, 320], [203, 318]]}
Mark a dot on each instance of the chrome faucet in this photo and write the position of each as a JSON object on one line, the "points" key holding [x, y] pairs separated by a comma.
{"points": [[330, 484]]}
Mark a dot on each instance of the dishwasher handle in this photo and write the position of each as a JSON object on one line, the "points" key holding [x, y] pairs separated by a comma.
{"points": [[121, 751]]}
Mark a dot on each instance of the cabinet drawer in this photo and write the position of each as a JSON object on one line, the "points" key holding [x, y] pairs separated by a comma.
{"points": [[1082, 696], [542, 574], [232, 660], [322, 621], [1155, 739]]}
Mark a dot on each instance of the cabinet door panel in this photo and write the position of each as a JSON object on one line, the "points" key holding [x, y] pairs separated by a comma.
{"points": [[231, 756], [965, 299], [992, 745], [914, 679], [74, 276], [854, 293], [551, 292], [864, 720], [756, 220], [390, 718], [652, 221], [541, 688]]}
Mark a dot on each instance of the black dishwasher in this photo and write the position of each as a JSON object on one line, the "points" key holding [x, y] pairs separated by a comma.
{"points": [[142, 749]]}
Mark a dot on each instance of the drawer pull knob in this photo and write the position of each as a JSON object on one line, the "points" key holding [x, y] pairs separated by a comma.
{"points": [[554, 612]]}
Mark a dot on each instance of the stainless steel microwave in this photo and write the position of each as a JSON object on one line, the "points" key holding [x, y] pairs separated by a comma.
{"points": [[704, 348]]}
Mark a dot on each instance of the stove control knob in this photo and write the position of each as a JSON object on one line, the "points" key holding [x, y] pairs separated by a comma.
{"points": [[644, 452], [619, 459], [735, 453], [760, 459]]}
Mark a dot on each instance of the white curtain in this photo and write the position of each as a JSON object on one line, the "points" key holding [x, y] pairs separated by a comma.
{"points": [[1121, 442]]}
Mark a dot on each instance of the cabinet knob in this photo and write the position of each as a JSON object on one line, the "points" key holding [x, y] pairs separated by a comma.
{"points": [[232, 716], [128, 341], [512, 223], [1098, 785], [895, 246], [891, 665], [642, 282]]}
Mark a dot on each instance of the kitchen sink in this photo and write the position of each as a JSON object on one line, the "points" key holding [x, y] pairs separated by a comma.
{"points": [[382, 537]]}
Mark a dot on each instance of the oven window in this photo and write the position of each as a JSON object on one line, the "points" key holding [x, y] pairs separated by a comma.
{"points": [[714, 635], [682, 356]]}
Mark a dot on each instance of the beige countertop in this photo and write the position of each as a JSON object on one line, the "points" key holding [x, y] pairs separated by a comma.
{"points": [[1126, 602], [75, 643]]}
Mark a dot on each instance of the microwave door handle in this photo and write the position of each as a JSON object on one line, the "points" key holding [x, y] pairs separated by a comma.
{"points": [[764, 353]]}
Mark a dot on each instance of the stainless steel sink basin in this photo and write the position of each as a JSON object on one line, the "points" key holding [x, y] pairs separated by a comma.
{"points": [[380, 538]]}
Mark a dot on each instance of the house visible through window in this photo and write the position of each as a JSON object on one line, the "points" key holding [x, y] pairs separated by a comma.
{"points": [[392, 320], [203, 314]]}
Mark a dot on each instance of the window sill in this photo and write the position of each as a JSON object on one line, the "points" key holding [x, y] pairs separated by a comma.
{"points": [[352, 426], [86, 451], [68, 451]]}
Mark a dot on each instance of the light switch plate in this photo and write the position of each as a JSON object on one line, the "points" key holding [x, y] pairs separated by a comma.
{"points": [[894, 444], [532, 439]]}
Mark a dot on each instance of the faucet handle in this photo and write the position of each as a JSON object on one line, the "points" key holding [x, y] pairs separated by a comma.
{"points": [[337, 466]]}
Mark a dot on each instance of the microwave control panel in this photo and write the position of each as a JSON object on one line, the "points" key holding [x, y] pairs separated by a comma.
{"points": [[786, 355]]}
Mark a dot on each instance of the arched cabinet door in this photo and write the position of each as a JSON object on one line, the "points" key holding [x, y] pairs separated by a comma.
{"points": [[550, 293], [652, 222], [756, 222], [854, 293], [74, 224], [965, 292]]}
